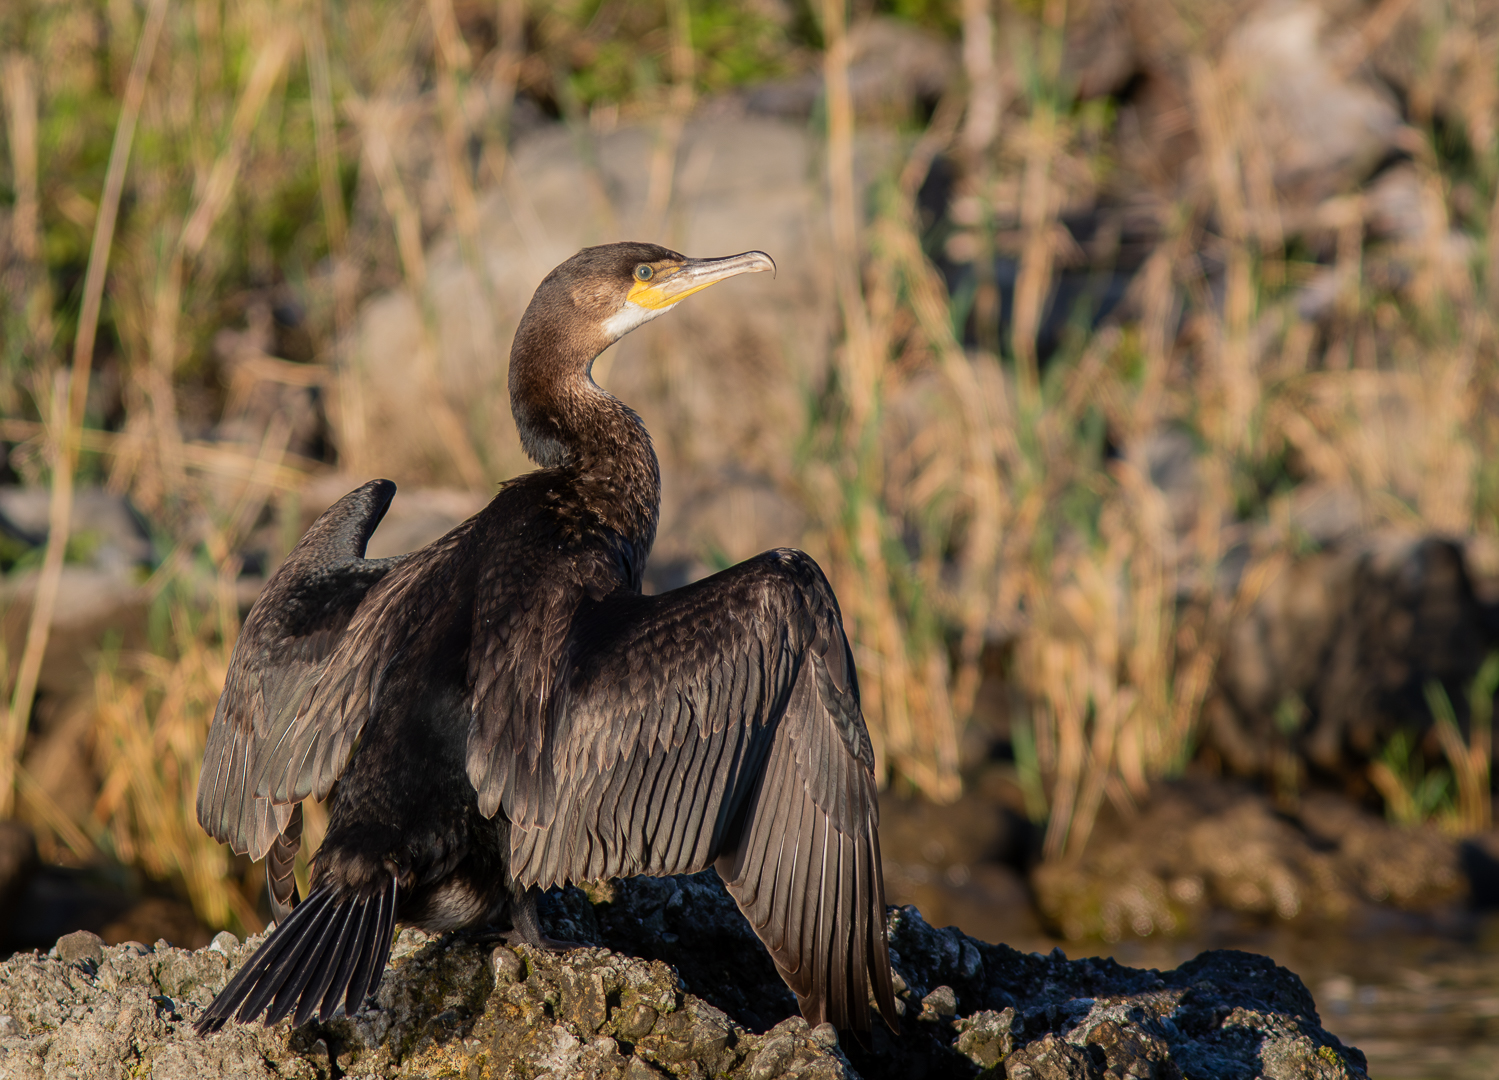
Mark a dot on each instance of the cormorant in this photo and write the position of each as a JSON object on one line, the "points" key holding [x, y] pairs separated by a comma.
{"points": [[504, 711]]}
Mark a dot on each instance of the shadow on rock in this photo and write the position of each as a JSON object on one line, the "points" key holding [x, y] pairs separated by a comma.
{"points": [[452, 1007]]}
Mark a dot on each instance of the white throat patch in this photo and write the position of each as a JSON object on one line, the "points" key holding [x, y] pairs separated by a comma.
{"points": [[629, 317]]}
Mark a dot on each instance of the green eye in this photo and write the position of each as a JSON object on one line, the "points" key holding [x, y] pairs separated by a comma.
{"points": [[643, 272]]}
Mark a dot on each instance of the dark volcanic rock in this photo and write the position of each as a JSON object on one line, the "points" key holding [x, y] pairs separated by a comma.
{"points": [[456, 1007]]}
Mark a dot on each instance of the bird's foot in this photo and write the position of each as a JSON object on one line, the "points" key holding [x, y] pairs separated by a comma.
{"points": [[526, 926], [539, 941], [485, 936]]}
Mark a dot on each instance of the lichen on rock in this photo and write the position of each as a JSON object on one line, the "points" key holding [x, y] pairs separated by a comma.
{"points": [[461, 1007]]}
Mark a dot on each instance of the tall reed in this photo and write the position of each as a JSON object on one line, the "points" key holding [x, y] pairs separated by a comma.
{"points": [[967, 495]]}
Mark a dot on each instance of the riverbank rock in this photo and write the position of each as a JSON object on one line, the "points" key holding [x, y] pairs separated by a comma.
{"points": [[1337, 654], [456, 1007], [1202, 846]]}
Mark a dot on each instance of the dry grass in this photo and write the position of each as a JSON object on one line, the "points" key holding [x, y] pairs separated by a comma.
{"points": [[961, 494], [149, 743]]}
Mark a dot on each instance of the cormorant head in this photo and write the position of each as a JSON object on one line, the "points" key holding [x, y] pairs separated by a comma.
{"points": [[584, 306], [602, 293]]}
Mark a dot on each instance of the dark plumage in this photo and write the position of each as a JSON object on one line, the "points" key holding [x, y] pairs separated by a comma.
{"points": [[503, 710]]}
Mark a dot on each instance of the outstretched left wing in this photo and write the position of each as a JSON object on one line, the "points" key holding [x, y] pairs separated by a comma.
{"points": [[282, 654], [719, 724]]}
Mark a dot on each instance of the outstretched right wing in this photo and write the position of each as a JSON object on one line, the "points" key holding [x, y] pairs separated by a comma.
{"points": [[279, 662], [719, 725]]}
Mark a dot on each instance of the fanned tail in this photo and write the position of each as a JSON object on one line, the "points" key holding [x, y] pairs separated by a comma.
{"points": [[280, 865], [329, 953]]}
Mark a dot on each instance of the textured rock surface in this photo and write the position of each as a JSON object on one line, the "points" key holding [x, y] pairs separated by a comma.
{"points": [[451, 1007], [1201, 847]]}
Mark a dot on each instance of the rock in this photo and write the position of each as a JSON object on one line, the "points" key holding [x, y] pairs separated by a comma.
{"points": [[80, 947], [1101, 56], [895, 70], [1336, 653], [1324, 129], [1396, 207], [1051, 1058], [987, 1037], [1204, 845], [1441, 85], [106, 532], [509, 967], [98, 593], [597, 1012], [941, 1003], [1408, 868]]}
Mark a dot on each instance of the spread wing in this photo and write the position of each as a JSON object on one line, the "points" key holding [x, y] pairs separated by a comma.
{"points": [[720, 723], [300, 678]]}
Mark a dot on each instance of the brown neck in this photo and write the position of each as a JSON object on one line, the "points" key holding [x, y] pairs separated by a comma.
{"points": [[567, 422]]}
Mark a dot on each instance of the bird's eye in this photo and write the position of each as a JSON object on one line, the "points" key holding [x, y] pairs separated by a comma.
{"points": [[643, 272]]}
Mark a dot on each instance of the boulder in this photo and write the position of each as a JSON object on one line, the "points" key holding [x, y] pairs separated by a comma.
{"points": [[460, 1007], [109, 552], [1204, 846], [1335, 655]]}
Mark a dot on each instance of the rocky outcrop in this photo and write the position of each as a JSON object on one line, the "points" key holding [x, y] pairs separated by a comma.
{"points": [[1205, 847], [675, 985], [1339, 651]]}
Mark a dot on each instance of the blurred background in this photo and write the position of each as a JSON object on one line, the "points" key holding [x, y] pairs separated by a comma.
{"points": [[1132, 370]]}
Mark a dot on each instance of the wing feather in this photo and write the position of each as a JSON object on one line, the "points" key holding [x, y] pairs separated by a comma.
{"points": [[708, 725], [300, 679], [280, 862]]}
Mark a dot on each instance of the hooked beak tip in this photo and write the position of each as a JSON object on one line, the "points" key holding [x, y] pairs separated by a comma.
{"points": [[750, 262]]}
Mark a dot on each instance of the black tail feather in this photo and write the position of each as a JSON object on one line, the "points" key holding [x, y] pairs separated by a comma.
{"points": [[307, 967], [255, 969], [371, 960], [333, 999], [327, 967], [382, 950], [287, 965], [329, 951], [343, 969]]}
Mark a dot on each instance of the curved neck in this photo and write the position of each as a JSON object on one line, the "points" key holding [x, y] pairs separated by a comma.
{"points": [[567, 422]]}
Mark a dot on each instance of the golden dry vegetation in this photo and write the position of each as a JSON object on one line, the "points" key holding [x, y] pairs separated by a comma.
{"points": [[169, 166]]}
